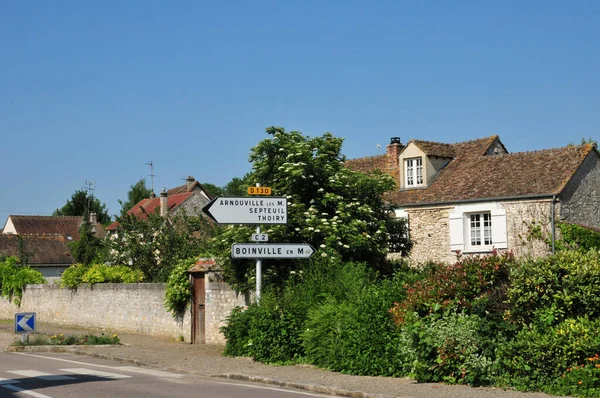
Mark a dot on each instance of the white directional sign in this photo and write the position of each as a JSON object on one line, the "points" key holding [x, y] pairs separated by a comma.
{"points": [[25, 322], [271, 250], [247, 210]]}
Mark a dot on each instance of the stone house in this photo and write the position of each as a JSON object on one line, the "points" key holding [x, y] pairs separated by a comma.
{"points": [[473, 197], [44, 240], [189, 198]]}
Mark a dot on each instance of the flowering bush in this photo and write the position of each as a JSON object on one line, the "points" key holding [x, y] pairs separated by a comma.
{"points": [[582, 380], [472, 285]]}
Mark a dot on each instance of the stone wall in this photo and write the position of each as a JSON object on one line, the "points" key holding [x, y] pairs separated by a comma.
{"points": [[131, 308], [220, 300], [430, 231], [581, 198], [529, 226], [430, 234]]}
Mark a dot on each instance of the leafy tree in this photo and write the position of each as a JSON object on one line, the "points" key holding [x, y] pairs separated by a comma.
{"points": [[81, 204], [340, 212], [137, 192], [154, 245], [89, 249], [212, 189], [237, 186]]}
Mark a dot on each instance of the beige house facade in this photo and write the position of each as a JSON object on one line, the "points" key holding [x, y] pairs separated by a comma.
{"points": [[471, 198]]}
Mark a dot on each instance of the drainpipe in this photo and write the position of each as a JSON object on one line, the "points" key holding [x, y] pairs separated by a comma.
{"points": [[553, 224]]}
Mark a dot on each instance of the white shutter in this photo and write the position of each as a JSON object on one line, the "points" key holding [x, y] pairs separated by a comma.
{"points": [[457, 234], [499, 237]]}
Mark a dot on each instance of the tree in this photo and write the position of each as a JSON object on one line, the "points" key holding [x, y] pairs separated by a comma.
{"points": [[340, 212], [89, 249], [137, 192], [212, 189], [81, 204], [155, 244], [238, 186]]}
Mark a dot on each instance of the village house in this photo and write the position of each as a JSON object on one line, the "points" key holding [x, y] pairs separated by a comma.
{"points": [[473, 197], [189, 198], [43, 240]]}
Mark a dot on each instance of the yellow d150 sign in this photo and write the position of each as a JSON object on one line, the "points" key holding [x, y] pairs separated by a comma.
{"points": [[259, 191]]}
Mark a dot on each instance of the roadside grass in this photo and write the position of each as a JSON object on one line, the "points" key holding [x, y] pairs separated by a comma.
{"points": [[61, 339]]}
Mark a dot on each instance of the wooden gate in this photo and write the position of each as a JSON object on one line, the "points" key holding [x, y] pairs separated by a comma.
{"points": [[199, 312]]}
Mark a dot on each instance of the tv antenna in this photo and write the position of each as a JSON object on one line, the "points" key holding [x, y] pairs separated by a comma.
{"points": [[90, 186], [378, 146], [152, 175]]}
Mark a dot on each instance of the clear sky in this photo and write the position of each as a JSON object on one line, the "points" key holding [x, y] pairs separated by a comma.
{"points": [[91, 91]]}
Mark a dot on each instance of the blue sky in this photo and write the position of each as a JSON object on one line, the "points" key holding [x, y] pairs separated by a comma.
{"points": [[91, 91]]}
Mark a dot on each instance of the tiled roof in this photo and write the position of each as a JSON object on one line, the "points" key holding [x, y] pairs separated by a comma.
{"points": [[435, 148], [203, 265], [41, 249], [47, 225], [507, 175], [151, 205], [184, 188], [370, 163]]}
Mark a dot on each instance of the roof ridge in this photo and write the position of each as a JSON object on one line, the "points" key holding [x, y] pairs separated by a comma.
{"points": [[569, 147], [494, 136]]}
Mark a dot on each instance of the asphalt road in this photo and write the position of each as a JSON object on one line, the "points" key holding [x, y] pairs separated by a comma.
{"points": [[55, 375]]}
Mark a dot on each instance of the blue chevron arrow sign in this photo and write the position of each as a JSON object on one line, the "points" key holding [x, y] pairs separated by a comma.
{"points": [[25, 322]]}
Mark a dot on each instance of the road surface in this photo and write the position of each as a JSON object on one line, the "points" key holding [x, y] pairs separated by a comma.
{"points": [[56, 375]]}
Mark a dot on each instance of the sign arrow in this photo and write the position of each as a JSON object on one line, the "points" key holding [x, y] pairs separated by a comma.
{"points": [[25, 322], [247, 210], [271, 250]]}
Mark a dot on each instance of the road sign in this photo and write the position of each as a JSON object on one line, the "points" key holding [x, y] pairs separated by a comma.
{"points": [[25, 322], [259, 237], [259, 191], [271, 250], [247, 210]]}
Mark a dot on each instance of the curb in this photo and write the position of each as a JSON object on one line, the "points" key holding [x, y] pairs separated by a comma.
{"points": [[334, 391]]}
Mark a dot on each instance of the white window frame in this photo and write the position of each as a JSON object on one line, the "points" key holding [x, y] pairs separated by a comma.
{"points": [[479, 231], [413, 172], [460, 228]]}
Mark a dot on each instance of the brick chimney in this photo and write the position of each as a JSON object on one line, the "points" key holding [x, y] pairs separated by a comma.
{"points": [[393, 152], [190, 181], [393, 158], [164, 202]]}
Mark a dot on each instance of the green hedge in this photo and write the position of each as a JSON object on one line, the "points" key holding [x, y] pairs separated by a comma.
{"points": [[77, 274], [14, 278]]}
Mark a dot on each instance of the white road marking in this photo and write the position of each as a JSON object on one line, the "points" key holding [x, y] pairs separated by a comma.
{"points": [[40, 375], [90, 372], [64, 360], [7, 381], [147, 371], [23, 391]]}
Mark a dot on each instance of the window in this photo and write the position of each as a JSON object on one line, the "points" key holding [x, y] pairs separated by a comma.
{"points": [[414, 172], [480, 231], [478, 228]]}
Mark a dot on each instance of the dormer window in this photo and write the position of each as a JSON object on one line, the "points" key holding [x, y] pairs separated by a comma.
{"points": [[414, 172]]}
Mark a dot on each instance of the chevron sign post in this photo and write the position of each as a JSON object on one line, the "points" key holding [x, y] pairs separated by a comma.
{"points": [[25, 322]]}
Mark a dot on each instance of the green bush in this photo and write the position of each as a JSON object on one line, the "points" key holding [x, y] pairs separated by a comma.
{"points": [[554, 288], [582, 380], [73, 276], [77, 274], [538, 355], [456, 348], [14, 278], [578, 238], [236, 332], [178, 294], [267, 332], [356, 334]]}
